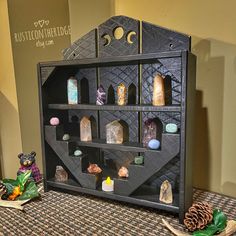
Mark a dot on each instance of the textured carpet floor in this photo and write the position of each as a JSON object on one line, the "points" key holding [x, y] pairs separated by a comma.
{"points": [[65, 214]]}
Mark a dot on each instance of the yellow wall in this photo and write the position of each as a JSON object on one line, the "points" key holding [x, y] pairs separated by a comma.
{"points": [[10, 138], [212, 27], [87, 15], [19, 82]]}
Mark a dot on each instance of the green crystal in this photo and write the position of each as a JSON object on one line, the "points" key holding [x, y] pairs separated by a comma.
{"points": [[139, 160], [171, 128], [77, 153]]}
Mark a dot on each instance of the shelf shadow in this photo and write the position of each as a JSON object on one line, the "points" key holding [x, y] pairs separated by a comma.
{"points": [[209, 115]]}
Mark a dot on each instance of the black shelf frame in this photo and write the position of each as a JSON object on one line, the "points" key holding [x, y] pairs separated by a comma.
{"points": [[144, 58], [134, 108], [73, 186], [171, 57]]}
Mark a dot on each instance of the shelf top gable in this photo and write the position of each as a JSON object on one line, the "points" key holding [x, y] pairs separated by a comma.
{"points": [[135, 37]]}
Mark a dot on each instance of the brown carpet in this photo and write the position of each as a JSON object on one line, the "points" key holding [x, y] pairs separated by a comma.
{"points": [[65, 214]]}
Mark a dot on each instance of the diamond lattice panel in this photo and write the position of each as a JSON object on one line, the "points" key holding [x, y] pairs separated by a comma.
{"points": [[84, 47], [89, 74], [120, 158], [165, 117], [149, 71], [131, 118], [113, 76], [169, 172]]}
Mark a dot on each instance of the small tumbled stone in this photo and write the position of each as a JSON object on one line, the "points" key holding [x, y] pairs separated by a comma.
{"points": [[77, 153], [94, 169], [54, 121], [171, 128], [139, 160], [154, 144], [123, 172], [66, 137]]}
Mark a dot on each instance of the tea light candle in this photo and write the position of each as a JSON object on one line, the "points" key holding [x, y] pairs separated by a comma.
{"points": [[108, 185]]}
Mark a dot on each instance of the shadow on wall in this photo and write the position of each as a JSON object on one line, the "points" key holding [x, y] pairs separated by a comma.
{"points": [[229, 188], [10, 139], [0, 157], [209, 116]]}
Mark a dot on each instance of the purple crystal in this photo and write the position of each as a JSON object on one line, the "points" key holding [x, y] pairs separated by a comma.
{"points": [[149, 131], [101, 96]]}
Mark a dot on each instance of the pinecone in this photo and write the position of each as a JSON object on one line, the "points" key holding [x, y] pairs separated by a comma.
{"points": [[198, 216]]}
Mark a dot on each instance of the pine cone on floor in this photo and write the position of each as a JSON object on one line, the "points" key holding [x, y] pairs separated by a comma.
{"points": [[3, 189], [198, 216]]}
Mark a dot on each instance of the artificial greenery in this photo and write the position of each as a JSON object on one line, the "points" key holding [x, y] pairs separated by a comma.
{"points": [[27, 189], [217, 225]]}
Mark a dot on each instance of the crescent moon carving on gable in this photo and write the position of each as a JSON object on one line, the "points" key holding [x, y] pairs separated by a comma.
{"points": [[107, 39], [129, 37]]}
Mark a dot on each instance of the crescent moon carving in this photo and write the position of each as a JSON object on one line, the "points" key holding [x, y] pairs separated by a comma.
{"points": [[107, 39], [129, 36]]}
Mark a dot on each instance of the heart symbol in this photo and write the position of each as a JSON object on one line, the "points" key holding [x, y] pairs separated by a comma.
{"points": [[46, 22], [36, 24], [41, 23]]}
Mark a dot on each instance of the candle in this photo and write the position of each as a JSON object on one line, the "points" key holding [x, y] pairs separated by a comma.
{"points": [[108, 185]]}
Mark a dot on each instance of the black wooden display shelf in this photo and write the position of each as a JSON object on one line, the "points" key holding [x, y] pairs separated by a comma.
{"points": [[142, 198], [114, 107], [134, 60]]}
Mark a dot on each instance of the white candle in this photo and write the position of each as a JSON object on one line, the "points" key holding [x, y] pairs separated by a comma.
{"points": [[108, 185]]}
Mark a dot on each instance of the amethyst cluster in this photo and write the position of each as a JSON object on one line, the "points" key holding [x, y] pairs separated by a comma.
{"points": [[101, 96], [149, 131]]}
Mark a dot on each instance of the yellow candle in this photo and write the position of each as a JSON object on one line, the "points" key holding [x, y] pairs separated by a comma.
{"points": [[108, 181], [108, 185]]}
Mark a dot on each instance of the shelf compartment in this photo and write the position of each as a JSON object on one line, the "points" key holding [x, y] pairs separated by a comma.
{"points": [[75, 165], [153, 162], [142, 200], [101, 143], [133, 108]]}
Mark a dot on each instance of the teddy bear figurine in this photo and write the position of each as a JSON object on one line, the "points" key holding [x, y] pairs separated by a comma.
{"points": [[27, 162]]}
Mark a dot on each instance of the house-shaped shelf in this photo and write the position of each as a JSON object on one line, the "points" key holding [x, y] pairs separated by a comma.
{"points": [[102, 58]]}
